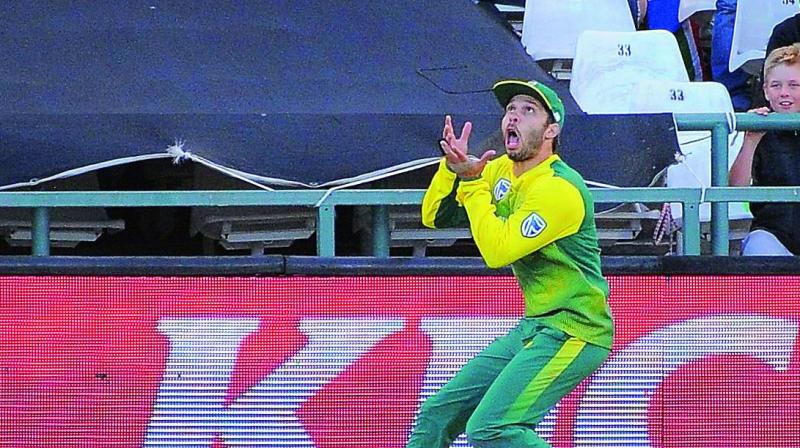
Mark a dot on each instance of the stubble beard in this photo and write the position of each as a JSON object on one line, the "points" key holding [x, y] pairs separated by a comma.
{"points": [[528, 151]]}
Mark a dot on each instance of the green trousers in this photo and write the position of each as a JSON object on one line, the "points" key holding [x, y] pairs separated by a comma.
{"points": [[500, 395]]}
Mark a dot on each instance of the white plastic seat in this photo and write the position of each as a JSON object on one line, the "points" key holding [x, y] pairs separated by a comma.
{"points": [[609, 64], [694, 168], [254, 228], [248, 228], [686, 8], [69, 226], [550, 28], [406, 229], [755, 20]]}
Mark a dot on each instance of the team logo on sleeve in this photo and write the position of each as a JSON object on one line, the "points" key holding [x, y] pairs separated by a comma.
{"points": [[501, 189], [533, 225]]}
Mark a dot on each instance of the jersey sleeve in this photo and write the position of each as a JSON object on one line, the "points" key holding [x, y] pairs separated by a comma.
{"points": [[553, 211], [440, 209]]}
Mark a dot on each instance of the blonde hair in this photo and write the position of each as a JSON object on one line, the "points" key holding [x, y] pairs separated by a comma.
{"points": [[788, 55]]}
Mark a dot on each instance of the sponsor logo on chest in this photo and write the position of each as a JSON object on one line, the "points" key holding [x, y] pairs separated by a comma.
{"points": [[501, 189]]}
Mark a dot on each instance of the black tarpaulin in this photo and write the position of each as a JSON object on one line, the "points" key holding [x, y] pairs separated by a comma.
{"points": [[303, 92]]}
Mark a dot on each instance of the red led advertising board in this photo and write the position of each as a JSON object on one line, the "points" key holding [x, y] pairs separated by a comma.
{"points": [[698, 361]]}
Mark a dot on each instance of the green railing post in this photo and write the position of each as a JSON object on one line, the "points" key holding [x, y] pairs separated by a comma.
{"points": [[40, 232], [326, 231], [691, 228], [380, 231], [719, 178]]}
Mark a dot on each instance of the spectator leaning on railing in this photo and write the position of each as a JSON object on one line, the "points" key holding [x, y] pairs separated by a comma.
{"points": [[772, 158]]}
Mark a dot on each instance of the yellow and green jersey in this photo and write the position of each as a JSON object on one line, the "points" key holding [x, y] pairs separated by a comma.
{"points": [[542, 224]]}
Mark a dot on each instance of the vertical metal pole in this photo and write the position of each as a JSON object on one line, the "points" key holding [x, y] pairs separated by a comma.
{"points": [[380, 231], [719, 178], [40, 232], [691, 228], [326, 233]]}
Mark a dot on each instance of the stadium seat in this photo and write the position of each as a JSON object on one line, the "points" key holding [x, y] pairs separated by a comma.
{"points": [[609, 64], [694, 167], [406, 230], [248, 228], [550, 28], [754, 22], [622, 223], [68, 226], [606, 68], [686, 8]]}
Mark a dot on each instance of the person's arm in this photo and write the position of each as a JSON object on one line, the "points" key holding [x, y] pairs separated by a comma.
{"points": [[741, 171], [554, 212], [439, 206]]}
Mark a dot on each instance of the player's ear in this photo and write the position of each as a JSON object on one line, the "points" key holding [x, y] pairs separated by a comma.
{"points": [[552, 131]]}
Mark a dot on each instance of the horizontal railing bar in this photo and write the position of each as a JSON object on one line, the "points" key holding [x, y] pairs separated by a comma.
{"points": [[646, 194], [228, 198], [753, 194], [363, 197], [744, 121], [160, 198], [324, 201]]}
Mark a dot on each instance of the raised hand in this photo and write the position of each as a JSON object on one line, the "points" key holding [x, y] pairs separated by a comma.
{"points": [[756, 135], [456, 151]]}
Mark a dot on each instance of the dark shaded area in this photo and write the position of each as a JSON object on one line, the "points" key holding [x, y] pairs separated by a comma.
{"points": [[305, 91], [301, 90]]}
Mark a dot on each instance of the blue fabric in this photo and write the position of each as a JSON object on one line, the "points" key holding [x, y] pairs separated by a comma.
{"points": [[759, 242], [634, 6], [663, 15], [721, 39]]}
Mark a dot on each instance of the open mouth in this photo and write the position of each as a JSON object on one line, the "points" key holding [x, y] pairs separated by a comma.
{"points": [[512, 139]]}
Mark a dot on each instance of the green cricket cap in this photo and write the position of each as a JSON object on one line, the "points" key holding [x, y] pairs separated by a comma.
{"points": [[506, 89]]}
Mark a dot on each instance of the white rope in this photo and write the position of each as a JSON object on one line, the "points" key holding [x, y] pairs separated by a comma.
{"points": [[600, 184], [680, 159], [84, 169], [233, 173], [367, 177], [180, 155], [382, 176]]}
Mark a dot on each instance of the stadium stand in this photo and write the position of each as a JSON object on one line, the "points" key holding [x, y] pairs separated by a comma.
{"points": [[551, 28], [694, 164], [69, 226], [247, 228], [754, 22], [406, 231], [609, 64], [600, 86], [607, 67]]}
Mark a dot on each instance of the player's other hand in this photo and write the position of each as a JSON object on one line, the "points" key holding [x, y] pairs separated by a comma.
{"points": [[456, 150]]}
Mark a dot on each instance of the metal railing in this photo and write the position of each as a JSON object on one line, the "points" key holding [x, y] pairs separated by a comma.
{"points": [[720, 127], [327, 201]]}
